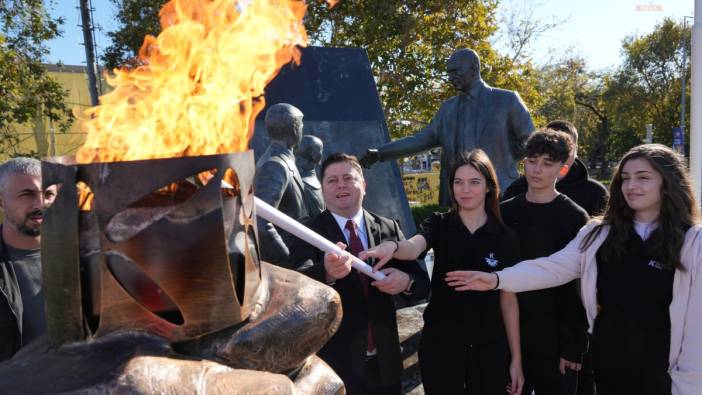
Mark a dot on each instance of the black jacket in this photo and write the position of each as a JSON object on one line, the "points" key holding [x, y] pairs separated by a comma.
{"points": [[577, 185], [346, 350], [10, 306]]}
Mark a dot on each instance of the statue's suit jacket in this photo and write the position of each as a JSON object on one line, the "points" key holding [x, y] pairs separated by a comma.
{"points": [[278, 183], [500, 126], [345, 352]]}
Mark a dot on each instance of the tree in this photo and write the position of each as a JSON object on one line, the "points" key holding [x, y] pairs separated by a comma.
{"points": [[137, 18], [650, 79], [27, 91], [409, 42], [521, 28], [612, 108]]}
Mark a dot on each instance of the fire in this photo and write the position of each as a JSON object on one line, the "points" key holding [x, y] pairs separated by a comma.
{"points": [[198, 86]]}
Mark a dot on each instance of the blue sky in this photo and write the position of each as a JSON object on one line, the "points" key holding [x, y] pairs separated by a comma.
{"points": [[594, 28]]}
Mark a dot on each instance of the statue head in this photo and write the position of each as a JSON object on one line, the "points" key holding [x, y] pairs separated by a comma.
{"points": [[463, 68], [309, 153], [284, 124]]}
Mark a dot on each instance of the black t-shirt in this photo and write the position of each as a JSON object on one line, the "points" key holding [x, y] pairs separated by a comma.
{"points": [[27, 266], [471, 317], [577, 185], [542, 229]]}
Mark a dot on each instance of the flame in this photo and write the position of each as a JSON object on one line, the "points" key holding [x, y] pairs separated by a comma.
{"points": [[197, 87]]}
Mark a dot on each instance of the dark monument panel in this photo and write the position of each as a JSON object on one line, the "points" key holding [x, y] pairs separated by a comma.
{"points": [[329, 84], [385, 193], [335, 89]]}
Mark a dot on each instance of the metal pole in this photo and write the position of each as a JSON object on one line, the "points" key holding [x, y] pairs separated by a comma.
{"points": [[89, 51], [52, 139], [649, 133], [683, 77], [696, 103]]}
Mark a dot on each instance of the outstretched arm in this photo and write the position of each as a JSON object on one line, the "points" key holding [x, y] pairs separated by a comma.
{"points": [[556, 269], [406, 250], [423, 140], [416, 285]]}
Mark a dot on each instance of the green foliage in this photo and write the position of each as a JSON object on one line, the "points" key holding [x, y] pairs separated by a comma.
{"points": [[420, 213], [611, 108], [409, 42], [136, 19], [650, 77], [26, 89]]}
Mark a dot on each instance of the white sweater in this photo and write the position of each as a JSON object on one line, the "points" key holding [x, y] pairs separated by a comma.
{"points": [[685, 310]]}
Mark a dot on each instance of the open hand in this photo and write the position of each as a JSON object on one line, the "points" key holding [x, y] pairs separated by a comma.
{"points": [[382, 252], [465, 280]]}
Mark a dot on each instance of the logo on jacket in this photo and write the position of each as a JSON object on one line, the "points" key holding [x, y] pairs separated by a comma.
{"points": [[491, 261], [655, 265]]}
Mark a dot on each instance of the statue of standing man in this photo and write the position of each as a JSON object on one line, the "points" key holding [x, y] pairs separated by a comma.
{"points": [[278, 181], [480, 116]]}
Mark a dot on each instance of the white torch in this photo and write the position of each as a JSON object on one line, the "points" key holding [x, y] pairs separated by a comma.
{"points": [[279, 219]]}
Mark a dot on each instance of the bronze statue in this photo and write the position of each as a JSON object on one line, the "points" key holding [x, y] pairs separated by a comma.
{"points": [[480, 116], [278, 181], [307, 157]]}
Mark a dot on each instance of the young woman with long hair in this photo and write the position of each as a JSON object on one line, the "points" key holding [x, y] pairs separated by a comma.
{"points": [[470, 342], [639, 267]]}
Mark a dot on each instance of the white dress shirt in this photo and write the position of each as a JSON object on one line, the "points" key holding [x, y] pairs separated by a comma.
{"points": [[360, 227]]}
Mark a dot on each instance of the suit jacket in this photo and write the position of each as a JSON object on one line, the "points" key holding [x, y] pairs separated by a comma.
{"points": [[346, 350], [501, 128], [278, 183]]}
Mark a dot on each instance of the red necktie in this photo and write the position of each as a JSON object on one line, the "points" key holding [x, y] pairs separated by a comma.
{"points": [[356, 246]]}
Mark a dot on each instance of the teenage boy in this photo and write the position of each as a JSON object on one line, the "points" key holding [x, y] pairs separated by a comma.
{"points": [[552, 321], [576, 183], [588, 194]]}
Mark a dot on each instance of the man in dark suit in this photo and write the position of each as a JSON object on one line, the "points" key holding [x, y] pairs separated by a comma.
{"points": [[480, 116], [365, 351]]}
